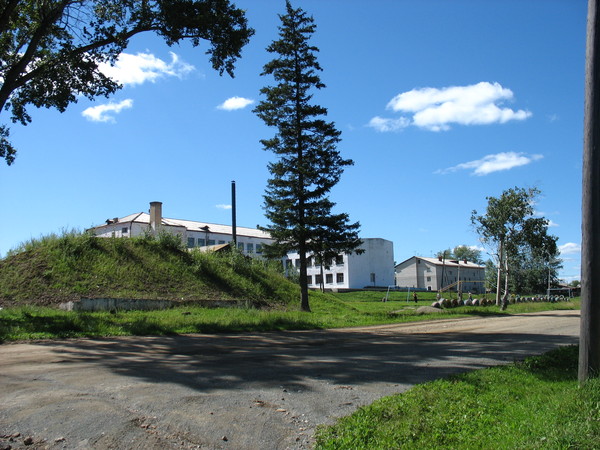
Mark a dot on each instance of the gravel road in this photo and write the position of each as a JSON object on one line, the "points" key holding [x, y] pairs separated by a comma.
{"points": [[241, 391]]}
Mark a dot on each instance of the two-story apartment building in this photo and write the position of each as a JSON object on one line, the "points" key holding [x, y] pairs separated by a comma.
{"points": [[433, 274]]}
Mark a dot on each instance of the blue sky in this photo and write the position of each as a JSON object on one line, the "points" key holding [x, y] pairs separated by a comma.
{"points": [[440, 103]]}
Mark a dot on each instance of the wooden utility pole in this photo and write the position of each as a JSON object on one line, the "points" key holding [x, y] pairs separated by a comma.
{"points": [[589, 341]]}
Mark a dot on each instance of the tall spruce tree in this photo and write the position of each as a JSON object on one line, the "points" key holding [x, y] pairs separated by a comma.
{"points": [[308, 165]]}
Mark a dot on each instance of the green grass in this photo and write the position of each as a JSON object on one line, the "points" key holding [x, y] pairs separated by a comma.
{"points": [[55, 269], [533, 404], [328, 311]]}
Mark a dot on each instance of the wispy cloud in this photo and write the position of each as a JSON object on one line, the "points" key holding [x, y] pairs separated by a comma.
{"points": [[223, 206], [436, 109], [142, 67], [384, 125], [234, 103], [105, 113], [569, 248], [493, 163]]}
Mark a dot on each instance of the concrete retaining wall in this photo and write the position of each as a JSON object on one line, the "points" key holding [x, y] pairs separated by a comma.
{"points": [[121, 304]]}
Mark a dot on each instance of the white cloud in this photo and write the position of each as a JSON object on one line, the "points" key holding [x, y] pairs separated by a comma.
{"points": [[223, 206], [493, 163], [383, 125], [569, 248], [234, 103], [551, 223], [104, 113], [137, 69], [436, 109]]}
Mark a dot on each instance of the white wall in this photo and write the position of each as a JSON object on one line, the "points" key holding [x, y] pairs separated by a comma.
{"points": [[378, 259]]}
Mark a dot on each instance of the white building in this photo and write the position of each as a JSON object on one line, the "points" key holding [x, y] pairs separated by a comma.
{"points": [[433, 274], [195, 234], [374, 267]]}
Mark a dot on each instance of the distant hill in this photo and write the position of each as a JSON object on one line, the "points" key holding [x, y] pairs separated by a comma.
{"points": [[56, 269]]}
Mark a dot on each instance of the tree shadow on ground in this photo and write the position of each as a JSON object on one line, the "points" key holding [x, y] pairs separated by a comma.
{"points": [[206, 363]]}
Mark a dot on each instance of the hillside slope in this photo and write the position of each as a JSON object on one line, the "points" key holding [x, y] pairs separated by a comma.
{"points": [[55, 269]]}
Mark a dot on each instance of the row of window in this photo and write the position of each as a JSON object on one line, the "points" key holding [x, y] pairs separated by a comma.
{"points": [[248, 247], [454, 279], [339, 278], [311, 261]]}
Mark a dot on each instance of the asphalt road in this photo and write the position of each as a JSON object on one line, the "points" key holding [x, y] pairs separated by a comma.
{"points": [[241, 391]]}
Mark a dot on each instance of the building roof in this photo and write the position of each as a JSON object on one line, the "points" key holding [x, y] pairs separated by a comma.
{"points": [[447, 262], [144, 218]]}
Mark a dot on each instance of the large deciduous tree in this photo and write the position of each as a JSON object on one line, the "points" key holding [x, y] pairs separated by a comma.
{"points": [[50, 50], [508, 226], [297, 200]]}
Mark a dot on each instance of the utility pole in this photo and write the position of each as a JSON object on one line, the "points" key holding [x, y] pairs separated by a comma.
{"points": [[589, 340], [233, 215], [499, 277]]}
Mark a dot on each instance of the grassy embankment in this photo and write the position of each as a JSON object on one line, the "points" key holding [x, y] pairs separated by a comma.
{"points": [[536, 403], [45, 272]]}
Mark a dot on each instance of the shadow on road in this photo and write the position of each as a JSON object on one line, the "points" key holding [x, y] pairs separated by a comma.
{"points": [[207, 363]]}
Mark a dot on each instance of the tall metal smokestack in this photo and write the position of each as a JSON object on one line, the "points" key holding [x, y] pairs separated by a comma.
{"points": [[233, 218], [155, 215]]}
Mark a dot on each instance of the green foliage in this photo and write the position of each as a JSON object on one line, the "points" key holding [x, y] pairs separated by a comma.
{"points": [[462, 252], [521, 241], [296, 200], [533, 404], [50, 50]]}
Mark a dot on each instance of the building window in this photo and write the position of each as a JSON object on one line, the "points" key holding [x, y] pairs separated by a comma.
{"points": [[428, 278], [221, 242], [339, 260], [259, 248], [329, 278], [309, 261], [339, 277], [211, 242], [201, 243], [241, 246], [372, 278], [318, 279], [191, 242], [309, 279], [124, 230], [250, 248]]}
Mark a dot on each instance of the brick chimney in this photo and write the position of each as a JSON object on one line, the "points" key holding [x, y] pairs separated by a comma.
{"points": [[155, 215]]}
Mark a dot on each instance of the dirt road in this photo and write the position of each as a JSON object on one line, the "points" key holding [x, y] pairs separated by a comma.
{"points": [[241, 391]]}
